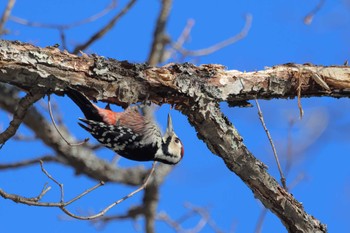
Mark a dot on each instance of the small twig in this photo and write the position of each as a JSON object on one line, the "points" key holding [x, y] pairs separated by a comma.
{"points": [[63, 204], [309, 17], [132, 213], [283, 179], [58, 131], [23, 138], [115, 159], [300, 82], [159, 36], [6, 15], [105, 29], [185, 34], [261, 219], [203, 221], [53, 179], [43, 192], [46, 158], [24, 104], [300, 177], [289, 157], [90, 19], [222, 44], [174, 224], [84, 193], [101, 213]]}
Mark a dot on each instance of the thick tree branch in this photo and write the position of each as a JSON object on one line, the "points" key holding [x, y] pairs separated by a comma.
{"points": [[24, 104], [25, 66], [196, 92]]}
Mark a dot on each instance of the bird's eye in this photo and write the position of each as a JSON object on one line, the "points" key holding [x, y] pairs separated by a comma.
{"points": [[177, 140]]}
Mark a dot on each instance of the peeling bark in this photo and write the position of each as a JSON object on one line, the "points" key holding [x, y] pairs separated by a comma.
{"points": [[194, 90]]}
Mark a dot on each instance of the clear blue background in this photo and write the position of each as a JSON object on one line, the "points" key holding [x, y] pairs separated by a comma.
{"points": [[320, 142]]}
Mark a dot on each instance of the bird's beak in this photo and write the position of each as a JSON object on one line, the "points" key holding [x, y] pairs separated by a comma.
{"points": [[169, 128]]}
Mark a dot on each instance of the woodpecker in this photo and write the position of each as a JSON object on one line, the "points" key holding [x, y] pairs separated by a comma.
{"points": [[133, 135]]}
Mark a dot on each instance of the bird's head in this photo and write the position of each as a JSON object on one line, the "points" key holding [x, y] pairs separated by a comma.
{"points": [[172, 147]]}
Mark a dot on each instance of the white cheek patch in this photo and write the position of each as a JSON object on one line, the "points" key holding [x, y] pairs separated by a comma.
{"points": [[175, 149]]}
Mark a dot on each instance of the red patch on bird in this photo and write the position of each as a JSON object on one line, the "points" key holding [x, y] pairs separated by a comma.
{"points": [[182, 150], [109, 117]]}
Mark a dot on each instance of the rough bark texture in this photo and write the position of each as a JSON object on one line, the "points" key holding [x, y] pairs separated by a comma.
{"points": [[194, 90]]}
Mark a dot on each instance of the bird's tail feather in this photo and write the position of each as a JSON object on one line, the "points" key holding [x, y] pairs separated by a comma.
{"points": [[88, 108]]}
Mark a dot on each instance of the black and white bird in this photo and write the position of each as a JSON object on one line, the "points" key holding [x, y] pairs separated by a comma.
{"points": [[132, 134]]}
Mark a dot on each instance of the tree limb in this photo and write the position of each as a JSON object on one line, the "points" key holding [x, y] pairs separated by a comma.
{"points": [[24, 104], [194, 90]]}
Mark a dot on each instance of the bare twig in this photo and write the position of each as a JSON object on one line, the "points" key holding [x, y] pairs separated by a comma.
{"points": [[53, 179], [203, 221], [90, 19], [283, 179], [62, 204], [185, 34], [300, 107], [160, 39], [310, 16], [6, 15], [84, 193], [42, 193], [261, 219], [23, 138], [132, 213], [46, 158], [101, 213], [174, 224], [58, 131], [300, 177], [105, 29], [220, 45], [63, 27], [289, 156], [19, 115]]}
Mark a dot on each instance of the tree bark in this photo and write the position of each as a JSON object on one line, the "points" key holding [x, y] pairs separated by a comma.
{"points": [[194, 90]]}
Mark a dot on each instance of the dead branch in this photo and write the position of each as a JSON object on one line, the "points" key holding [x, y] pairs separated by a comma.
{"points": [[203, 52], [23, 105], [193, 211], [99, 34], [160, 39], [196, 92], [6, 15], [63, 27], [310, 16], [62, 204], [261, 117], [25, 163]]}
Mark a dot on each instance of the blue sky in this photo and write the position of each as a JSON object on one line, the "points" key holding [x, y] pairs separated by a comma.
{"points": [[320, 142]]}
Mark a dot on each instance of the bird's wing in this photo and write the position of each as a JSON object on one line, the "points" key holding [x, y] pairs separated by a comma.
{"points": [[116, 137]]}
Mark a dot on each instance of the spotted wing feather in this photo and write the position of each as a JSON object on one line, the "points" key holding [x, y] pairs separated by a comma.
{"points": [[120, 139], [115, 137]]}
